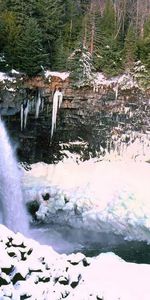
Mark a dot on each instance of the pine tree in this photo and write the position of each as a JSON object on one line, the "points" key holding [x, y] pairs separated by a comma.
{"points": [[141, 74], [107, 54], [46, 13], [49, 16], [130, 48], [81, 67], [110, 61], [144, 45], [10, 38], [60, 55], [108, 23], [31, 55]]}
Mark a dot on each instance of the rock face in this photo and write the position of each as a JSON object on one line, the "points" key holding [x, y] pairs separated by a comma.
{"points": [[107, 116]]}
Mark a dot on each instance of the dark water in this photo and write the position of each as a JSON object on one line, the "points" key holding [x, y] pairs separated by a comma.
{"points": [[131, 251], [67, 240]]}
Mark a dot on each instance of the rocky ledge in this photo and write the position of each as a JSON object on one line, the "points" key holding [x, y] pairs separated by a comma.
{"points": [[112, 114]]}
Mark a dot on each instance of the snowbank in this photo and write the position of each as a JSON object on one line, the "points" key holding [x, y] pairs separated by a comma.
{"points": [[4, 78], [125, 81], [62, 75], [29, 270], [100, 196]]}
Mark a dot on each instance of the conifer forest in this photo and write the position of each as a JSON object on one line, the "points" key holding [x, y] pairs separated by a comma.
{"points": [[45, 34]]}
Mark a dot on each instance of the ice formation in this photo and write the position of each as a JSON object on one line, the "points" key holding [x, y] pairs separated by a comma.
{"points": [[24, 114], [57, 100], [38, 104]]}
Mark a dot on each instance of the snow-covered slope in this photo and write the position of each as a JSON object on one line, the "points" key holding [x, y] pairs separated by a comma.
{"points": [[32, 271]]}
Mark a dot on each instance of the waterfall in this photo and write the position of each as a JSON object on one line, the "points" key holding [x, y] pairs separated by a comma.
{"points": [[57, 100], [13, 211]]}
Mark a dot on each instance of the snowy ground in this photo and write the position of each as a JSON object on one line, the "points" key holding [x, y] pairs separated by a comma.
{"points": [[32, 271], [110, 197]]}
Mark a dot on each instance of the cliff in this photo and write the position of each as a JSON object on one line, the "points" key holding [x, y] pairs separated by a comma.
{"points": [[110, 114]]}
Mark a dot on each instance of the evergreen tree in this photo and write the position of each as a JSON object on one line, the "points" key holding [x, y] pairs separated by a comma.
{"points": [[102, 27], [144, 45], [141, 74], [108, 22], [107, 54], [130, 48], [10, 37], [69, 34], [31, 56], [81, 67], [60, 54], [49, 16], [46, 13], [110, 60]]}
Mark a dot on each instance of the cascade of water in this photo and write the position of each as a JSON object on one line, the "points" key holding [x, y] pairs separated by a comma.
{"points": [[57, 100], [38, 103], [14, 215]]}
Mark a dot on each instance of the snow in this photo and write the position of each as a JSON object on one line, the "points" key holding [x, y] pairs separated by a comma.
{"points": [[10, 89], [101, 196], [123, 82], [44, 274], [4, 77], [62, 75], [15, 72]]}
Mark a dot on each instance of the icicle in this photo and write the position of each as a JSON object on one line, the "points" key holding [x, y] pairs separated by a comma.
{"points": [[42, 105], [31, 105], [38, 103], [116, 91], [60, 98], [21, 116], [24, 114], [57, 100], [26, 110]]}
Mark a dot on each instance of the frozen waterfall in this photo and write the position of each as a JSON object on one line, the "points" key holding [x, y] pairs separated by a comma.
{"points": [[57, 100], [11, 200]]}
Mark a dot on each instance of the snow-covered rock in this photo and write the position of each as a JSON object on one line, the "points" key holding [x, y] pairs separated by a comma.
{"points": [[54, 277], [62, 75]]}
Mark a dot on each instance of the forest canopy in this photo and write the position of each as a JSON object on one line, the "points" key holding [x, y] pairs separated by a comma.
{"points": [[41, 34]]}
